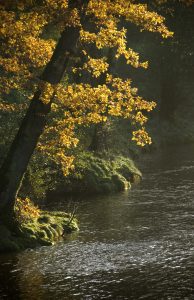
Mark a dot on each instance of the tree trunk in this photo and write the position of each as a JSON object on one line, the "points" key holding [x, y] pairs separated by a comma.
{"points": [[32, 126]]}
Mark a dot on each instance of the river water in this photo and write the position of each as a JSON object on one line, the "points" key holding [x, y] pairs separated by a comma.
{"points": [[134, 245]]}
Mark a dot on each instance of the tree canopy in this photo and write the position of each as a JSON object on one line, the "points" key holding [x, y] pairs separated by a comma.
{"points": [[30, 31]]}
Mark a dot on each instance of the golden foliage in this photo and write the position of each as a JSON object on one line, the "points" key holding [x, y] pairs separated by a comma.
{"points": [[26, 210], [82, 104], [47, 91], [96, 66], [141, 137], [25, 51]]}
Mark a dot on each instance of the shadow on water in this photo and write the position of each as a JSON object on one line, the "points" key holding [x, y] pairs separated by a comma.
{"points": [[9, 279], [134, 245]]}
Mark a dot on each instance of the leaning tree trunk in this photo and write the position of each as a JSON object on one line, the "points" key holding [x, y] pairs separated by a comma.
{"points": [[32, 126]]}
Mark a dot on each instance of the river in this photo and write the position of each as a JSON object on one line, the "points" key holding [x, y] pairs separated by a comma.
{"points": [[138, 244]]}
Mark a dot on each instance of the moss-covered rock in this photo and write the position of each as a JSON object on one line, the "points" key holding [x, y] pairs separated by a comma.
{"points": [[96, 174], [47, 229]]}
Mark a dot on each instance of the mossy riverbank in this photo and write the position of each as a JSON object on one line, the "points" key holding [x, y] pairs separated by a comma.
{"points": [[45, 230], [100, 175], [93, 174]]}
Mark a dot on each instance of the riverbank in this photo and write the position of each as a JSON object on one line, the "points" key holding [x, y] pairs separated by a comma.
{"points": [[93, 174], [98, 174], [44, 230]]}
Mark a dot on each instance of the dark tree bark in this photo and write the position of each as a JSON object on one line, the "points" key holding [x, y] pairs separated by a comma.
{"points": [[101, 136], [14, 166]]}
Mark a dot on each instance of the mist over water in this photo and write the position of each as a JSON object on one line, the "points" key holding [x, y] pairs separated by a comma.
{"points": [[134, 245]]}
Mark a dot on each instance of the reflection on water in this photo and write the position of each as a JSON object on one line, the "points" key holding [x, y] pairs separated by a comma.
{"points": [[134, 245]]}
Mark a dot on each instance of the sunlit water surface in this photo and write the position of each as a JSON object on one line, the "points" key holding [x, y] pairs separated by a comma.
{"points": [[134, 245]]}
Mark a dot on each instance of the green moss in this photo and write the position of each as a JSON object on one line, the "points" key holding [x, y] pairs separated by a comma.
{"points": [[95, 174], [120, 182], [49, 228]]}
